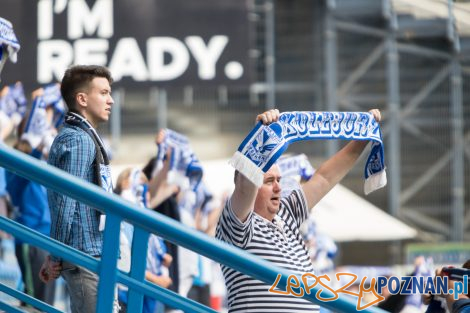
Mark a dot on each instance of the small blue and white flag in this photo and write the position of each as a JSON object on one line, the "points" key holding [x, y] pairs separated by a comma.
{"points": [[9, 44]]}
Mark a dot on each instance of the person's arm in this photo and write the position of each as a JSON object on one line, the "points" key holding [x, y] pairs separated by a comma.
{"points": [[160, 280], [74, 155], [159, 189], [16, 183], [167, 260], [212, 220], [6, 125], [77, 154], [244, 195], [334, 169], [160, 179]]}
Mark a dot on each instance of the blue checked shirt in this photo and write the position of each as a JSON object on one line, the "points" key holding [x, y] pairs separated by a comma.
{"points": [[72, 222]]}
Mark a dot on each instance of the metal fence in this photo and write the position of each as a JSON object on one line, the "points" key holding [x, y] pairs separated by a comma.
{"points": [[145, 222]]}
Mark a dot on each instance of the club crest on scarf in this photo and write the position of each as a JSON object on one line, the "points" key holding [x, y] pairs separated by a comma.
{"points": [[265, 144]]}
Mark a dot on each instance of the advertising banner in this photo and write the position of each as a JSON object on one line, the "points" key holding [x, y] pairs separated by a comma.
{"points": [[142, 42]]}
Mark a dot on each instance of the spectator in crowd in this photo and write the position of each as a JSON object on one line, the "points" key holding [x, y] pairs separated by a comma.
{"points": [[132, 185], [259, 221], [12, 108], [206, 216], [79, 150], [168, 207], [446, 302], [31, 210]]}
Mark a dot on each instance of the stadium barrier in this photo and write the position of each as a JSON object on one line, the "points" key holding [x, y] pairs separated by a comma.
{"points": [[145, 221]]}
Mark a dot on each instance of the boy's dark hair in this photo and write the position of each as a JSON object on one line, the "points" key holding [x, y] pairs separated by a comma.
{"points": [[77, 78]]}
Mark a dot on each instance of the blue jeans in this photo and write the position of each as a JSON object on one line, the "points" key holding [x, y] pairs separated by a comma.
{"points": [[82, 286]]}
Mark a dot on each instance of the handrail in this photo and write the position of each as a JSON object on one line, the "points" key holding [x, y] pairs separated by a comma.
{"points": [[79, 258], [28, 299], [53, 178]]}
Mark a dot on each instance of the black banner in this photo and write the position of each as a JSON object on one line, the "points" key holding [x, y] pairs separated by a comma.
{"points": [[142, 42]]}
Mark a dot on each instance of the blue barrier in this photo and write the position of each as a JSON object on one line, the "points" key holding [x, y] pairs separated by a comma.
{"points": [[79, 258], [118, 209]]}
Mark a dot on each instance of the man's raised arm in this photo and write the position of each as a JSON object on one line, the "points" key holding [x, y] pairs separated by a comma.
{"points": [[334, 169], [244, 195]]}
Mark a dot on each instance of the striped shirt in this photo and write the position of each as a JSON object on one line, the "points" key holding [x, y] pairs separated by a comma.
{"points": [[278, 241], [72, 222]]}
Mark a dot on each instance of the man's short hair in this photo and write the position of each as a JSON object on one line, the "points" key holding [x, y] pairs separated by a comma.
{"points": [[77, 78]]}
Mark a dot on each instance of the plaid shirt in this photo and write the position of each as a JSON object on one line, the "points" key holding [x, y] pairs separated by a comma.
{"points": [[73, 222]]}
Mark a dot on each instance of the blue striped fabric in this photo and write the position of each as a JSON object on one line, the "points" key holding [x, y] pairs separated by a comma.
{"points": [[74, 223]]}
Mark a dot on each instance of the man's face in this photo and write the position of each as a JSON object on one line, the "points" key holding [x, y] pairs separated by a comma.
{"points": [[98, 101], [269, 194]]}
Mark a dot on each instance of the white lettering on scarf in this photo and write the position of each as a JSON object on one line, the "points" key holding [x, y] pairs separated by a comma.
{"points": [[265, 144]]}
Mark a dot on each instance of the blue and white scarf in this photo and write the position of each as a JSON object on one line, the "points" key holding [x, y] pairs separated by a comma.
{"points": [[37, 127], [202, 197], [185, 168], [13, 104], [292, 168], [101, 163], [53, 98], [265, 144], [172, 139], [9, 44], [297, 165]]}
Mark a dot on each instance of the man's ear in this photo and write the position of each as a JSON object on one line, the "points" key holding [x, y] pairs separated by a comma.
{"points": [[81, 100]]}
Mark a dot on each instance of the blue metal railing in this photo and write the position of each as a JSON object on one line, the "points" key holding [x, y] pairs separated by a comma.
{"points": [[145, 221]]}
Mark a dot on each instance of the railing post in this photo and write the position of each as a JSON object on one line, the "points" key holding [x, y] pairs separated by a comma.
{"points": [[139, 264], [331, 69], [392, 58], [393, 105], [452, 33], [270, 59], [118, 97], [458, 158], [108, 264], [162, 109]]}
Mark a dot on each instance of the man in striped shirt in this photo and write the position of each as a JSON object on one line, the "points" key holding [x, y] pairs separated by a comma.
{"points": [[259, 221]]}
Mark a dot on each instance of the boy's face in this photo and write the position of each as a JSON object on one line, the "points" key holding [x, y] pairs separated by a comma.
{"points": [[98, 101]]}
